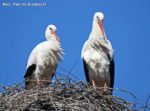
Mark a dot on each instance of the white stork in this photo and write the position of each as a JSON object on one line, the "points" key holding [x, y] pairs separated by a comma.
{"points": [[97, 55], [43, 60]]}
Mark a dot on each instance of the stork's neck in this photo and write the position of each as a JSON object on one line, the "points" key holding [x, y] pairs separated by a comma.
{"points": [[49, 36], [52, 39], [96, 31], [97, 35]]}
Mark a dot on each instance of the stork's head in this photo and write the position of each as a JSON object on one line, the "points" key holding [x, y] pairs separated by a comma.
{"points": [[98, 18], [51, 32]]}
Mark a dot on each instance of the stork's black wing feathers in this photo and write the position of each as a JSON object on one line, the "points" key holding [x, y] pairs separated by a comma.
{"points": [[53, 74], [86, 72], [30, 71], [112, 73]]}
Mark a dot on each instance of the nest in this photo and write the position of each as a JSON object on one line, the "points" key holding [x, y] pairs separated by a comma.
{"points": [[62, 95]]}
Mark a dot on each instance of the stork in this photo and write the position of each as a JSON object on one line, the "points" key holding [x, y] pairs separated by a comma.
{"points": [[43, 60], [97, 55]]}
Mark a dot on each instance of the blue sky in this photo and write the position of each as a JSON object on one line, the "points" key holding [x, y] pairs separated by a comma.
{"points": [[126, 25]]}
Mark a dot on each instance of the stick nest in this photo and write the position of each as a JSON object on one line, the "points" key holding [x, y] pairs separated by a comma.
{"points": [[62, 95]]}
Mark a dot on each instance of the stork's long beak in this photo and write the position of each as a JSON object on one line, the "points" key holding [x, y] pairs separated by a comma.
{"points": [[57, 38], [101, 26]]}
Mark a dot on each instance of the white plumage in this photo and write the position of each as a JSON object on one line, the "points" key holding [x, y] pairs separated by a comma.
{"points": [[43, 60], [97, 55]]}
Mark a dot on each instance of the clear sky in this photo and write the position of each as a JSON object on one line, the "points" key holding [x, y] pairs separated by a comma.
{"points": [[126, 25]]}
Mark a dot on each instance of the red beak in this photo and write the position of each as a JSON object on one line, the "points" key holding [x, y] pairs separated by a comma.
{"points": [[55, 35], [101, 26]]}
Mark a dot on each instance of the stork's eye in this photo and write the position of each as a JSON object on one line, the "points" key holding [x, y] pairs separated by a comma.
{"points": [[97, 17], [50, 28]]}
